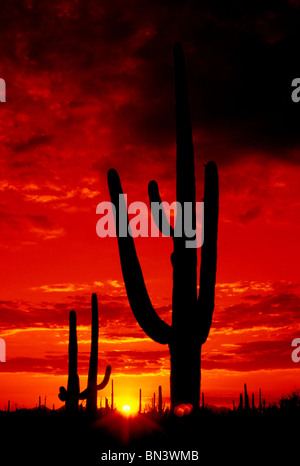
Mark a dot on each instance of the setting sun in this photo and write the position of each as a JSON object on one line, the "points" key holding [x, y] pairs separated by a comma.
{"points": [[126, 408]]}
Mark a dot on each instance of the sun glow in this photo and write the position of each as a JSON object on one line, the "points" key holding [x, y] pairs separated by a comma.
{"points": [[127, 404], [126, 408]]}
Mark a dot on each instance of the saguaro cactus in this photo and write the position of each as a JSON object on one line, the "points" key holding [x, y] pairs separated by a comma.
{"points": [[260, 403], [72, 394], [241, 405], [192, 314], [140, 400], [112, 395], [73, 379], [91, 395]]}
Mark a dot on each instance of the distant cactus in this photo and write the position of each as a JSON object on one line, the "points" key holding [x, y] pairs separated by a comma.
{"points": [[73, 379], [241, 401], [160, 400], [140, 400], [246, 400], [260, 403], [72, 394], [112, 395], [192, 314]]}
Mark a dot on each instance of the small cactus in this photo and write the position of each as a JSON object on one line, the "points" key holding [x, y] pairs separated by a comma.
{"points": [[253, 401], [160, 400], [260, 403], [241, 401], [246, 401], [140, 401], [72, 394]]}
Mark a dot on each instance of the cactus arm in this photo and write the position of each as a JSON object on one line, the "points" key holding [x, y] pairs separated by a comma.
{"points": [[105, 380], [93, 366], [63, 394], [137, 293], [83, 395], [155, 197], [73, 379], [209, 250]]}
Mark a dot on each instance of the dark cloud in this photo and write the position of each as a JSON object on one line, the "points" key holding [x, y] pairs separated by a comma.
{"points": [[137, 362], [252, 356], [48, 365], [32, 142], [241, 61], [33, 227], [277, 310], [115, 315]]}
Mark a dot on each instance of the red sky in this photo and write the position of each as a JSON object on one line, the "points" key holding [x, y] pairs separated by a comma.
{"points": [[90, 87]]}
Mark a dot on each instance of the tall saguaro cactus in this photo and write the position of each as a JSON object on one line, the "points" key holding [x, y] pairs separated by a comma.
{"points": [[91, 400], [192, 314], [72, 394], [73, 379]]}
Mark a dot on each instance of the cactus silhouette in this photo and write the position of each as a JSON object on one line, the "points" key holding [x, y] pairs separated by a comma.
{"points": [[72, 394], [191, 314], [160, 400], [73, 379], [140, 400], [246, 400], [112, 395]]}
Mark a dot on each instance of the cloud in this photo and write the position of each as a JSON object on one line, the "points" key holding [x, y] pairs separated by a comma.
{"points": [[245, 287], [276, 310], [125, 363], [114, 310], [33, 227], [62, 288], [31, 143], [48, 365]]}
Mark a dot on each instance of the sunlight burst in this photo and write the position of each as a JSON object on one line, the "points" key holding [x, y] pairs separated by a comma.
{"points": [[126, 408]]}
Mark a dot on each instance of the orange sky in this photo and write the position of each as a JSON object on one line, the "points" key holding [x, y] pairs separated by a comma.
{"points": [[90, 88]]}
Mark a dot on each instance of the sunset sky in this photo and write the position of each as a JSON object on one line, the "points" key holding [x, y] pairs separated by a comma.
{"points": [[90, 87]]}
